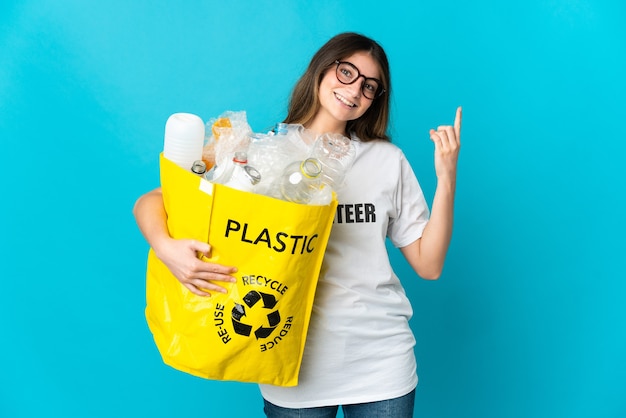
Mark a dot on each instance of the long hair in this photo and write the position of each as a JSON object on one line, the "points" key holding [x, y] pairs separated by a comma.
{"points": [[304, 103]]}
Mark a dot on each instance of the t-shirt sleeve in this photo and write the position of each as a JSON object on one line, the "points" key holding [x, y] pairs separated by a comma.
{"points": [[411, 209]]}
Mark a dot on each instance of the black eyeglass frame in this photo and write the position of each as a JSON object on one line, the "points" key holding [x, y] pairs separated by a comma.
{"points": [[381, 89]]}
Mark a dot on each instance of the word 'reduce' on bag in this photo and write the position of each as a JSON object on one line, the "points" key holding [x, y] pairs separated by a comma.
{"points": [[257, 330]]}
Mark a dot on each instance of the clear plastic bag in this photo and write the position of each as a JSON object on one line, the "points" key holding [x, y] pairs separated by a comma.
{"points": [[225, 135], [270, 154]]}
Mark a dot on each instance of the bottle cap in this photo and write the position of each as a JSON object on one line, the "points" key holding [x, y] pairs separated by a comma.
{"points": [[198, 167], [240, 157], [281, 128]]}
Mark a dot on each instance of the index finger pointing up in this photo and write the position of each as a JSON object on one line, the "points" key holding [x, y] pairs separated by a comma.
{"points": [[457, 122]]}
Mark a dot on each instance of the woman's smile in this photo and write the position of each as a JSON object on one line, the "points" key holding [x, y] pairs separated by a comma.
{"points": [[345, 101]]}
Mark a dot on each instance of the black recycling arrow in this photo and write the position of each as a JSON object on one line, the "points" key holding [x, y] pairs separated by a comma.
{"points": [[273, 319], [269, 301], [239, 311], [251, 299]]}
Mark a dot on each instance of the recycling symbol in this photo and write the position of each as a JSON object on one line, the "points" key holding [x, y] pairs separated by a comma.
{"points": [[250, 300]]}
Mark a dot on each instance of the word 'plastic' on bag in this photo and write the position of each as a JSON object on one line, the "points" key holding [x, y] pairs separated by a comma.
{"points": [[256, 331]]}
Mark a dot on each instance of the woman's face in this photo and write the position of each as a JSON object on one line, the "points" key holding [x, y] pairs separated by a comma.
{"points": [[345, 102]]}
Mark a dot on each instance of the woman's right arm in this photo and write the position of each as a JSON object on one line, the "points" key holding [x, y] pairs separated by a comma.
{"points": [[179, 255]]}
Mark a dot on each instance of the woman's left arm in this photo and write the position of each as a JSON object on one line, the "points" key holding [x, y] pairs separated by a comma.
{"points": [[427, 254]]}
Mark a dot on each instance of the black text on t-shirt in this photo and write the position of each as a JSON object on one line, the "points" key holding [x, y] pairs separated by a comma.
{"points": [[355, 213]]}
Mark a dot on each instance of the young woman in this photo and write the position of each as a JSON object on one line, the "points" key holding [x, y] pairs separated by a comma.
{"points": [[359, 350]]}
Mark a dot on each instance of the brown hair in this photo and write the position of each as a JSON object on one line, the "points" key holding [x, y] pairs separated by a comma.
{"points": [[304, 103]]}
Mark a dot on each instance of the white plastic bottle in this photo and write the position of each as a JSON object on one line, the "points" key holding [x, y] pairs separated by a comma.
{"points": [[184, 139], [236, 174]]}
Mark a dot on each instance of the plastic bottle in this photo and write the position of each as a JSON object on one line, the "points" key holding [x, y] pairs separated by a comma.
{"points": [[336, 154], [184, 139], [236, 174], [300, 181], [267, 154]]}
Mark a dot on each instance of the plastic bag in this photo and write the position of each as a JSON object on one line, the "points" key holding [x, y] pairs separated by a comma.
{"points": [[257, 331], [225, 135]]}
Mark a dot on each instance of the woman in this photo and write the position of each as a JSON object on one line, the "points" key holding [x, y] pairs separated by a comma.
{"points": [[359, 349]]}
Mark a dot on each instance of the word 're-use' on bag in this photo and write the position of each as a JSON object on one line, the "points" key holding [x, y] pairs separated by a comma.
{"points": [[257, 330]]}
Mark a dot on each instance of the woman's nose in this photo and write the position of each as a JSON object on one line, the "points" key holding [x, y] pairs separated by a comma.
{"points": [[356, 88]]}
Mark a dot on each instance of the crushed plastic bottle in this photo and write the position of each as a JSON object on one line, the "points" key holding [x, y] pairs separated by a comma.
{"points": [[336, 154], [235, 173], [265, 154], [300, 181], [270, 153]]}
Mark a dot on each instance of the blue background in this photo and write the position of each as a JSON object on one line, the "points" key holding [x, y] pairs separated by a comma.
{"points": [[528, 319]]}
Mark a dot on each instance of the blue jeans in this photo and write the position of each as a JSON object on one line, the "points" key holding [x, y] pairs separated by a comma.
{"points": [[401, 407]]}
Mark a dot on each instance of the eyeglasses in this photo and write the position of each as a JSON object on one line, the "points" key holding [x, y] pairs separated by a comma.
{"points": [[347, 73]]}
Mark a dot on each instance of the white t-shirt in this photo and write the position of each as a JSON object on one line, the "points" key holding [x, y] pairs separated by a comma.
{"points": [[359, 346]]}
